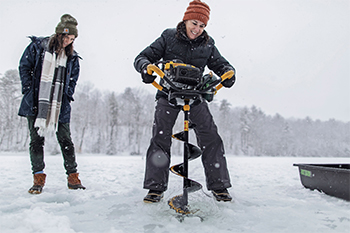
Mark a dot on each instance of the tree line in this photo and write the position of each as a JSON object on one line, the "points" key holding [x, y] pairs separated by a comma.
{"points": [[118, 123]]}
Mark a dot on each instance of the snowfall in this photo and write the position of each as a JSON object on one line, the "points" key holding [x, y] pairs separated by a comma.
{"points": [[267, 197]]}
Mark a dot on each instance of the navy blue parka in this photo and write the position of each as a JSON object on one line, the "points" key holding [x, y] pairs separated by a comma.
{"points": [[30, 67]]}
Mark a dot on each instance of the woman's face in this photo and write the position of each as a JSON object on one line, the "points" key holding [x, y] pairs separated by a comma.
{"points": [[67, 40], [194, 28]]}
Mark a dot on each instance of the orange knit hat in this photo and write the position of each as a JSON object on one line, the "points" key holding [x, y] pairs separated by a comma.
{"points": [[197, 10]]}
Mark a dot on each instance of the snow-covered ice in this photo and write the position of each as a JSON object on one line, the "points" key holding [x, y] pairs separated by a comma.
{"points": [[268, 197]]}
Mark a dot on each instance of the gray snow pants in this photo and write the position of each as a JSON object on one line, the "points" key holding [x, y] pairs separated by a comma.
{"points": [[208, 139], [36, 147]]}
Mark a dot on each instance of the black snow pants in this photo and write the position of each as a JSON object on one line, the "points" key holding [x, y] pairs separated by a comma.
{"points": [[36, 147], [208, 139]]}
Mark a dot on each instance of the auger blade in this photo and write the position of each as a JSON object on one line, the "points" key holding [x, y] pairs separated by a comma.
{"points": [[194, 152], [194, 186], [177, 203], [177, 169], [179, 136]]}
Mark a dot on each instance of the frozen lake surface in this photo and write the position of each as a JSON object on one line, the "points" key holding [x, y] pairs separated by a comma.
{"points": [[268, 197]]}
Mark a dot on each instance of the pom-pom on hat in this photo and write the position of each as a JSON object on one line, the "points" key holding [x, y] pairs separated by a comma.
{"points": [[197, 10], [68, 25]]}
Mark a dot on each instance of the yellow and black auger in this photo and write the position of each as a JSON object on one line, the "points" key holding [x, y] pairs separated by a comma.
{"points": [[179, 203], [185, 86]]}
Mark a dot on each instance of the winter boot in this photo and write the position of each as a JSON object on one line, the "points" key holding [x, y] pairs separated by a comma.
{"points": [[39, 182], [74, 182], [153, 196], [222, 195]]}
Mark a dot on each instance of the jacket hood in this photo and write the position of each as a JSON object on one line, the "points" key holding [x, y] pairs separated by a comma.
{"points": [[44, 42], [40, 41]]}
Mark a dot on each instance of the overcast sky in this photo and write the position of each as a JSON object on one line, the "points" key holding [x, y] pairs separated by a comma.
{"points": [[292, 57]]}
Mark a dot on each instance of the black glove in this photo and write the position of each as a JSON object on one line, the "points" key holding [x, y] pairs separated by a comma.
{"points": [[229, 82], [147, 78]]}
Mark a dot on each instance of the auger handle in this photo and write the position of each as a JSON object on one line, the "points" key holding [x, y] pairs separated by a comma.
{"points": [[153, 68], [229, 74]]}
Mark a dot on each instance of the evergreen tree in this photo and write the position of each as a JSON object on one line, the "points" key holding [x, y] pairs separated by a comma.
{"points": [[11, 135], [113, 124]]}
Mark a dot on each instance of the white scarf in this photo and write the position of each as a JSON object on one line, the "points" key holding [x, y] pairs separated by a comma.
{"points": [[50, 92]]}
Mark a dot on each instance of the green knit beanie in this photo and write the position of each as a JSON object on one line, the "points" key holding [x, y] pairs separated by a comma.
{"points": [[68, 25]]}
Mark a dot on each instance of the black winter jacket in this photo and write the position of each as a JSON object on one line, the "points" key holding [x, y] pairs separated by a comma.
{"points": [[174, 44], [199, 52]]}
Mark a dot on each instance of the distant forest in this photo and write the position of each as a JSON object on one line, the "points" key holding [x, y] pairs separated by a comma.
{"points": [[118, 123]]}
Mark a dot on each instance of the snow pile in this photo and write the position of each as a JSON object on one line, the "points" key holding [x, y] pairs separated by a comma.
{"points": [[268, 197]]}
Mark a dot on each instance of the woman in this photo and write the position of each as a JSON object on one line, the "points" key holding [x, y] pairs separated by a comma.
{"points": [[49, 70], [191, 44]]}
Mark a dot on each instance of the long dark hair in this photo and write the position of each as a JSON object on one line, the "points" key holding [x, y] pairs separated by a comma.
{"points": [[181, 32], [56, 44]]}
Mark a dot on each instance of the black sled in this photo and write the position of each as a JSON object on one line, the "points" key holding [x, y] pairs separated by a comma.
{"points": [[331, 179]]}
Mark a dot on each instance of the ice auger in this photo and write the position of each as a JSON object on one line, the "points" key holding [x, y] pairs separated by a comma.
{"points": [[184, 85]]}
